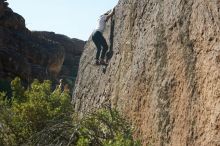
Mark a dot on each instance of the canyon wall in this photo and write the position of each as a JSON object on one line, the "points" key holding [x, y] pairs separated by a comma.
{"points": [[164, 75]]}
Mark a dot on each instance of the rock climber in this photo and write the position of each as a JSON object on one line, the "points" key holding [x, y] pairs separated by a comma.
{"points": [[98, 38], [60, 86]]}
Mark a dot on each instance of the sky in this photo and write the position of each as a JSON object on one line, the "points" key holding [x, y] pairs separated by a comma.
{"points": [[74, 18]]}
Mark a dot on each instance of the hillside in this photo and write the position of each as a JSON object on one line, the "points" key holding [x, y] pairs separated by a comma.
{"points": [[30, 55], [164, 74]]}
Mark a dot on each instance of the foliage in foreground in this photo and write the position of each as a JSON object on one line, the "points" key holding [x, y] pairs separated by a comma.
{"points": [[104, 127], [29, 111], [40, 116]]}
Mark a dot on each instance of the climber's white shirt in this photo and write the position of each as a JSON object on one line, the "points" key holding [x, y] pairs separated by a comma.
{"points": [[101, 23]]}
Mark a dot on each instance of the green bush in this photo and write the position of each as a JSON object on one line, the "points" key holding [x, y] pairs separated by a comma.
{"points": [[32, 109], [40, 116], [103, 127]]}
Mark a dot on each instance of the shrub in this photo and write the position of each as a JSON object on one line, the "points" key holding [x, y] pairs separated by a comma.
{"points": [[32, 109], [40, 116], [104, 127]]}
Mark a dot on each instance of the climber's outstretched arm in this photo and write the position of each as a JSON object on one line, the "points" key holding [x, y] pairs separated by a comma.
{"points": [[110, 14]]}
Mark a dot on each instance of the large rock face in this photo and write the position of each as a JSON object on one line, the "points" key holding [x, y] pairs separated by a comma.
{"points": [[164, 74], [32, 55], [73, 49]]}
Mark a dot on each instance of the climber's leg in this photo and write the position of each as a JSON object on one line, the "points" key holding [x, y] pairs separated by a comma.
{"points": [[101, 44], [96, 40], [104, 47]]}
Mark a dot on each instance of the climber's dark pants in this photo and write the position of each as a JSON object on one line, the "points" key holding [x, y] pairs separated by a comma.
{"points": [[100, 43]]}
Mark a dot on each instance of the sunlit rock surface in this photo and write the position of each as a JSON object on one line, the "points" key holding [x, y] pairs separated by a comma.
{"points": [[164, 75]]}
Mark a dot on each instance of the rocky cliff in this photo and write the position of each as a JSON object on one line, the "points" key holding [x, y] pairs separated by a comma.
{"points": [[32, 55], [164, 74], [73, 49]]}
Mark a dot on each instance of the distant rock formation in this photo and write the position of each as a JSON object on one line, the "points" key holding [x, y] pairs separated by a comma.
{"points": [[164, 74], [31, 55], [73, 50]]}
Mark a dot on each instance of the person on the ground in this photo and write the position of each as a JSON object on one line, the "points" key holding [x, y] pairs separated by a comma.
{"points": [[60, 86], [98, 38]]}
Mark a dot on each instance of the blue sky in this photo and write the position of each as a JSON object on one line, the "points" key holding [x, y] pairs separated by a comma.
{"points": [[74, 18]]}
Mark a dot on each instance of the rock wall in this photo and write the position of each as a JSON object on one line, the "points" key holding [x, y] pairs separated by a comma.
{"points": [[31, 55], [73, 49], [164, 74]]}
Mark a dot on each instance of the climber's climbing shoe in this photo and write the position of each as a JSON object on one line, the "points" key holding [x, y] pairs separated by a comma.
{"points": [[97, 62], [102, 62]]}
